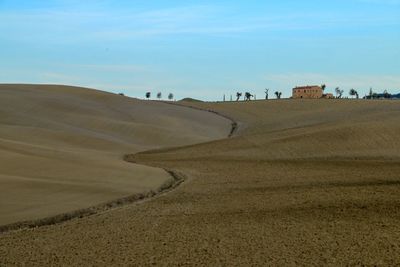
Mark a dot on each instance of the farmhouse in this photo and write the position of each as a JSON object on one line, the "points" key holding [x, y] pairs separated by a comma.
{"points": [[310, 92]]}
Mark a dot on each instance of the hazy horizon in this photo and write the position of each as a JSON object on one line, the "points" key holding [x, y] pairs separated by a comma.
{"points": [[202, 49]]}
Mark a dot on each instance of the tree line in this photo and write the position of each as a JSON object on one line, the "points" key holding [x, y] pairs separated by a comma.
{"points": [[249, 96], [371, 95], [159, 95]]}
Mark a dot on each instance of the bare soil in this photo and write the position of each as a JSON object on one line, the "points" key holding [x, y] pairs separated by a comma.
{"points": [[62, 148], [312, 182]]}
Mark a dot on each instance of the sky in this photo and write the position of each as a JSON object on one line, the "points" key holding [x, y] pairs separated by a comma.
{"points": [[202, 49]]}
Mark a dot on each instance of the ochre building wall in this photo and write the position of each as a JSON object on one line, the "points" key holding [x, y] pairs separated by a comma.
{"points": [[307, 92]]}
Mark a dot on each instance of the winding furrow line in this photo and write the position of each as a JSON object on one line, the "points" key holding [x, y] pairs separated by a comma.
{"points": [[177, 179]]}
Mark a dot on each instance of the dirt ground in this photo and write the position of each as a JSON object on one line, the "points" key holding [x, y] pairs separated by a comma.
{"points": [[62, 148], [300, 183]]}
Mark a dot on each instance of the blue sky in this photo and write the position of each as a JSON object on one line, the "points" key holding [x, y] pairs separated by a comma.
{"points": [[202, 49]]}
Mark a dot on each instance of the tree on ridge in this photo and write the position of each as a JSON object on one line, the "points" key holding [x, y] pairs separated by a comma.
{"points": [[338, 92], [238, 96], [247, 96], [353, 93], [266, 93]]}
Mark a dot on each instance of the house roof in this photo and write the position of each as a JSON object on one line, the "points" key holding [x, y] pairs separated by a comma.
{"points": [[308, 87]]}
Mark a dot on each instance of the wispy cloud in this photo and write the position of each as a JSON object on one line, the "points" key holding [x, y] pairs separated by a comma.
{"points": [[211, 19], [113, 67], [200, 46], [381, 2]]}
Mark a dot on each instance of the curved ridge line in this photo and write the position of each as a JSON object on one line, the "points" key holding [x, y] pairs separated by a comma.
{"points": [[233, 131], [234, 123], [177, 179]]}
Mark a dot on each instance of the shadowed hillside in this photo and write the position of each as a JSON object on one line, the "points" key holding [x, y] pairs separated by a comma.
{"points": [[61, 148]]}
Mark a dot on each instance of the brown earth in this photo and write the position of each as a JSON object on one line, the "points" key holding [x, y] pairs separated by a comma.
{"points": [[62, 148], [312, 182]]}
